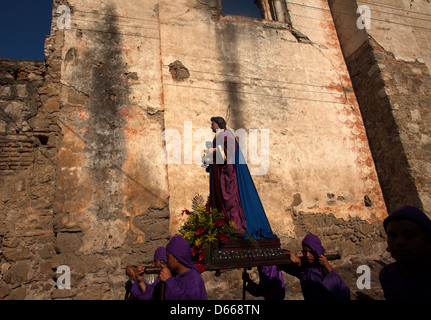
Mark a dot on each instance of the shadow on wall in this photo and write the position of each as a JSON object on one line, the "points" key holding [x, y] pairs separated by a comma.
{"points": [[105, 138], [226, 39]]}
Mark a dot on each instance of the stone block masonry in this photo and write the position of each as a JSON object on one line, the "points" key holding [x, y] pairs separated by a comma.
{"points": [[28, 145], [389, 66], [23, 126], [394, 97], [83, 180]]}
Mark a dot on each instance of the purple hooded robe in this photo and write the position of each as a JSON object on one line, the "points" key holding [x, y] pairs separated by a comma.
{"points": [[188, 285], [317, 283], [272, 282], [152, 290], [395, 284]]}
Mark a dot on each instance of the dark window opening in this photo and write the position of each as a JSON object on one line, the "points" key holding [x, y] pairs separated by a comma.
{"points": [[275, 10], [246, 8]]}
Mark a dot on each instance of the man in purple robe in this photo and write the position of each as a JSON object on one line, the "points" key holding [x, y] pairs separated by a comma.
{"points": [[141, 290], [318, 279], [271, 283], [408, 232], [182, 279]]}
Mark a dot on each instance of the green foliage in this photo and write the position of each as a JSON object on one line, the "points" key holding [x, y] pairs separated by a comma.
{"points": [[206, 229]]}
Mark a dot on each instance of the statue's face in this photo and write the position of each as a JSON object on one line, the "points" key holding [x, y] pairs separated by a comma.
{"points": [[214, 126]]}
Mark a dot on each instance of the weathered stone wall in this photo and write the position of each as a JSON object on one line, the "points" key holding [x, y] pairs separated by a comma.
{"points": [[261, 74], [85, 187], [110, 204], [99, 191], [319, 159], [389, 65], [28, 140]]}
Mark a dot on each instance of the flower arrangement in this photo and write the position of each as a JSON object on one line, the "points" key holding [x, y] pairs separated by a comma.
{"points": [[205, 229]]}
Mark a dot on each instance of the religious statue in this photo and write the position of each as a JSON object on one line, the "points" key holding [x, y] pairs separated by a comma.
{"points": [[232, 189]]}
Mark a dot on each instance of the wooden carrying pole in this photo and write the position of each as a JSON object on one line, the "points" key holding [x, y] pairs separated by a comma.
{"points": [[162, 291]]}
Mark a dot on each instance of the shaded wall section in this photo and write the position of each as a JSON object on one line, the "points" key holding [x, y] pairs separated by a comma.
{"points": [[111, 199], [390, 74]]}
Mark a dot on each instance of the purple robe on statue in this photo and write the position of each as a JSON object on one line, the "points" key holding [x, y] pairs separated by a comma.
{"points": [[317, 283], [224, 190], [228, 174]]}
